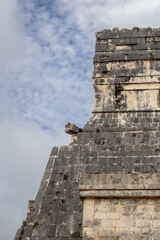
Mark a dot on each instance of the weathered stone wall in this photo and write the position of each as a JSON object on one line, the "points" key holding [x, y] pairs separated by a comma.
{"points": [[121, 137], [126, 70], [121, 206], [123, 219]]}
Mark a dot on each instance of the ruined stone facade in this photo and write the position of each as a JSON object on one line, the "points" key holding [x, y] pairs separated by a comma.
{"points": [[106, 183]]}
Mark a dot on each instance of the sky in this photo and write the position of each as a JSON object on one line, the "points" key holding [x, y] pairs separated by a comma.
{"points": [[46, 65]]}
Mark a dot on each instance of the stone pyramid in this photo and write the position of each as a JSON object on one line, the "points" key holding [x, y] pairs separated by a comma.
{"points": [[106, 183]]}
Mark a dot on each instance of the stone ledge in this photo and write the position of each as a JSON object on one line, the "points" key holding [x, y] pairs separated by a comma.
{"points": [[125, 111], [102, 57], [125, 193], [135, 32], [117, 79], [128, 85], [119, 187]]}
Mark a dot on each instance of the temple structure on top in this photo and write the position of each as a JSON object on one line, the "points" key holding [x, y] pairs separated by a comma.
{"points": [[106, 183]]}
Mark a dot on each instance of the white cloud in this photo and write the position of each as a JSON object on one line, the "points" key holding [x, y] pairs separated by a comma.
{"points": [[46, 80], [10, 32]]}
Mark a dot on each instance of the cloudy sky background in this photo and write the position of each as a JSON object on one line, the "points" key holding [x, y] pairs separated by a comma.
{"points": [[46, 52]]}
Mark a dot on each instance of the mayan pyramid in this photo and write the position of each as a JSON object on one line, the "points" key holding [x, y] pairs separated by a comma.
{"points": [[106, 183]]}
